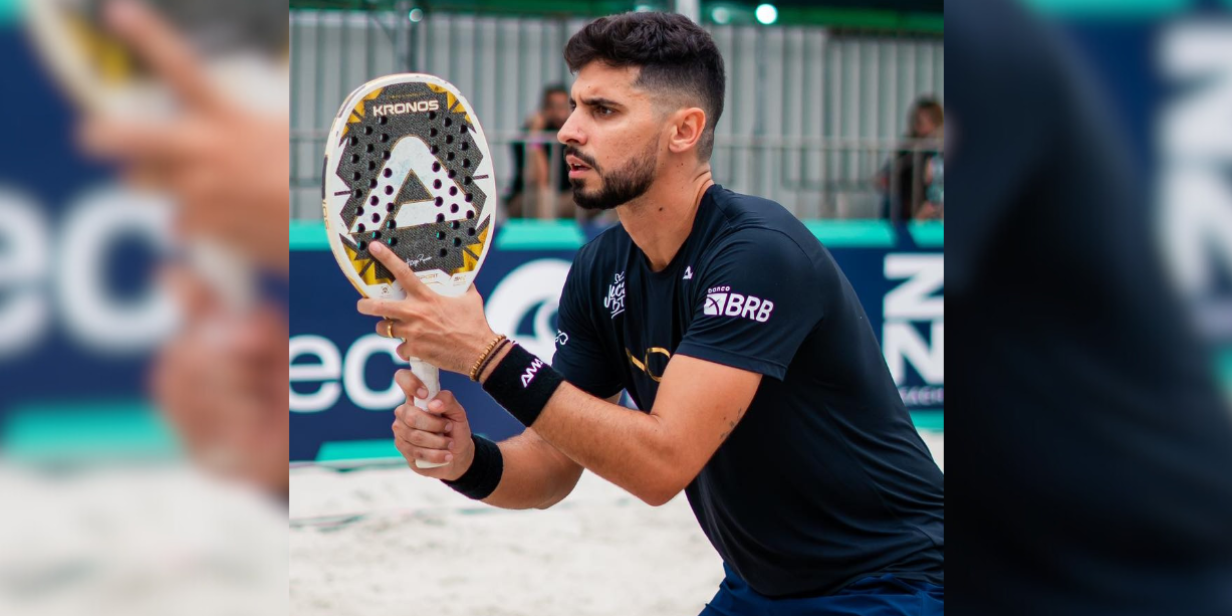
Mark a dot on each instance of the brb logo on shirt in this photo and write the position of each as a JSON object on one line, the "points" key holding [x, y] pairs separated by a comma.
{"points": [[721, 302]]}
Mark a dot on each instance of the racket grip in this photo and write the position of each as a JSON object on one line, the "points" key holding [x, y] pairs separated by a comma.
{"points": [[430, 376]]}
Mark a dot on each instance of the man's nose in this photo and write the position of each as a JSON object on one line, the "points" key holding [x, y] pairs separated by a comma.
{"points": [[570, 132]]}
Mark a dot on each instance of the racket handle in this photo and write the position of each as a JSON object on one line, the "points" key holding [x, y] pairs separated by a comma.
{"points": [[430, 376]]}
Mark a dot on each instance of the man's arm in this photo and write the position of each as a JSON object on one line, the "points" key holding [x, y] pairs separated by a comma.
{"points": [[698, 404], [537, 475], [653, 456]]}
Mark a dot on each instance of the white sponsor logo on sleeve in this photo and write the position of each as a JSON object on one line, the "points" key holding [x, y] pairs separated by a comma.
{"points": [[722, 302]]}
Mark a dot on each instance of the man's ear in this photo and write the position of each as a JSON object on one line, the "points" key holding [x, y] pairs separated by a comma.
{"points": [[686, 129]]}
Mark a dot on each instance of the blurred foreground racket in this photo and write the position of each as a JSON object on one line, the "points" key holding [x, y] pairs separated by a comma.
{"points": [[242, 45], [407, 165]]}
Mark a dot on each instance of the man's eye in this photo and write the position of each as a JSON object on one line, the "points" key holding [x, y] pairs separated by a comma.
{"points": [[604, 111]]}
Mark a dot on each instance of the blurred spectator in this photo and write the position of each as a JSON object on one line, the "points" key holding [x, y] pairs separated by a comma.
{"points": [[908, 179], [532, 176]]}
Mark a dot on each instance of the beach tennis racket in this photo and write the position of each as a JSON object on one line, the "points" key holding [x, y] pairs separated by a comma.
{"points": [[243, 48], [407, 165]]}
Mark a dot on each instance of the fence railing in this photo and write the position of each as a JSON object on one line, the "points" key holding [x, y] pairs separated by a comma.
{"points": [[811, 177]]}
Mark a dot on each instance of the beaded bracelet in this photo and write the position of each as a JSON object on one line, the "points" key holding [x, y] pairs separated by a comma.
{"points": [[474, 374], [492, 356]]}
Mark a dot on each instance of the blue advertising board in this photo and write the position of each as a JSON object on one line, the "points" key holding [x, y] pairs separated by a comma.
{"points": [[342, 390], [80, 310]]}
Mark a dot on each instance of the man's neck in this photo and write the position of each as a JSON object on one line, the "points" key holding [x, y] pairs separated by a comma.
{"points": [[660, 220]]}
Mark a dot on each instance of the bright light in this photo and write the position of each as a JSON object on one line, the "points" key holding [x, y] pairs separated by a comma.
{"points": [[416, 15], [643, 8], [721, 15], [767, 14]]}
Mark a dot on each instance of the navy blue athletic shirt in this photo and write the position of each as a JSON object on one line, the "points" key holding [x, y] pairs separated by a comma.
{"points": [[825, 480]]}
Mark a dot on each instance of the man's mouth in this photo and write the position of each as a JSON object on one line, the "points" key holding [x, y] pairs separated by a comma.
{"points": [[576, 167]]}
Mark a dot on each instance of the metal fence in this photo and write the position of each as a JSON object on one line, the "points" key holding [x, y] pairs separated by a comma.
{"points": [[810, 115]]}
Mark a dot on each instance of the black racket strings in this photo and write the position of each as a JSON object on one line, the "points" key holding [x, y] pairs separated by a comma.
{"points": [[375, 200]]}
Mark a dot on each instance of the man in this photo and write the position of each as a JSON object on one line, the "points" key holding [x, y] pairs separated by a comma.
{"points": [[765, 396]]}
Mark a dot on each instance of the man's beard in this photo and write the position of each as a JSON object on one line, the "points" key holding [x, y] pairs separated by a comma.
{"points": [[620, 186]]}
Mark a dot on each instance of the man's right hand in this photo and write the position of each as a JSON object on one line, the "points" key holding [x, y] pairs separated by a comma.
{"points": [[440, 435], [225, 164]]}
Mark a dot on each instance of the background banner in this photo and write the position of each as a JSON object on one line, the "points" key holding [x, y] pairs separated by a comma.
{"points": [[342, 390]]}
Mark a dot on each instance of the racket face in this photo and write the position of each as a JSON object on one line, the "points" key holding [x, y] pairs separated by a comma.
{"points": [[243, 44], [407, 165]]}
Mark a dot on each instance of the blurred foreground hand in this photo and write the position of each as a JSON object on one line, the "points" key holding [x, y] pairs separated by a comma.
{"points": [[227, 166], [221, 385]]}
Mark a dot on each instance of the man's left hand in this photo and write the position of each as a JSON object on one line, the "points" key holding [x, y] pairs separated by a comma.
{"points": [[447, 332]]}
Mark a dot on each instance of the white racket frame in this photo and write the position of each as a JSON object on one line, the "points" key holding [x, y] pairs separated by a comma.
{"points": [[438, 280]]}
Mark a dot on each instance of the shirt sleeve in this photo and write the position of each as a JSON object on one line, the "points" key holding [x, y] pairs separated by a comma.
{"points": [[580, 356], [757, 300]]}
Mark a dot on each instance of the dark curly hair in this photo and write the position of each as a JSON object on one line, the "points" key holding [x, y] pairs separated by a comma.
{"points": [[676, 56]]}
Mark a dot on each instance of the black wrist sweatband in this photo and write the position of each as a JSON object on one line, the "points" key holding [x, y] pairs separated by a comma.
{"points": [[481, 479], [523, 384]]}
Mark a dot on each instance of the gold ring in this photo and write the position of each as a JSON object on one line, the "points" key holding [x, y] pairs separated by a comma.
{"points": [[389, 328]]}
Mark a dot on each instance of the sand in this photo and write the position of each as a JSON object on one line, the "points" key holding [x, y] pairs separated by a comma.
{"points": [[146, 540], [383, 541]]}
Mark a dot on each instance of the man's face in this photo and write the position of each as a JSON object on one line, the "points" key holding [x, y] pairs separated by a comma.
{"points": [[556, 110], [611, 138]]}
